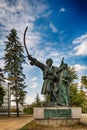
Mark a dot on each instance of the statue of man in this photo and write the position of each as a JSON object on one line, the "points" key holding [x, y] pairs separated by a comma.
{"points": [[49, 77]]}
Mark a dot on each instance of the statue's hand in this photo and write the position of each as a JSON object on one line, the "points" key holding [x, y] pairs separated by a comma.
{"points": [[29, 57], [31, 63]]}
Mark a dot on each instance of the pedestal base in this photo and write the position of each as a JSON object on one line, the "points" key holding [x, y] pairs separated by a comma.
{"points": [[56, 116]]}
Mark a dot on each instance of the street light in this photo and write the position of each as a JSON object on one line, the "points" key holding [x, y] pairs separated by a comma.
{"points": [[9, 97], [9, 83]]}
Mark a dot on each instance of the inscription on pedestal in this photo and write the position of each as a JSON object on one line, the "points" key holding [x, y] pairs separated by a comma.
{"points": [[57, 113]]}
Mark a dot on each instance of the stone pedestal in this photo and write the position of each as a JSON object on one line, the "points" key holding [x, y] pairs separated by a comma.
{"points": [[56, 116]]}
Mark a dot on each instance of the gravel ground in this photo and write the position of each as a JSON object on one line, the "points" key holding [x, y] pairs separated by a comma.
{"points": [[14, 123], [84, 119]]}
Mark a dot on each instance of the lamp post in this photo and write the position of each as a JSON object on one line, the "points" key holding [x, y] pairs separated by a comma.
{"points": [[9, 97], [9, 83], [9, 100]]}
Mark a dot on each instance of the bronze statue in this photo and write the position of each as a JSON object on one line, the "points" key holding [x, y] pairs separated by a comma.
{"points": [[49, 77], [64, 79], [56, 79]]}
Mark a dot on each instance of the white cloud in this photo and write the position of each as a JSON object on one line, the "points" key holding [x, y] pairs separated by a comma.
{"points": [[81, 49], [79, 67], [81, 70], [80, 45], [18, 16], [34, 79], [47, 14], [53, 28], [32, 82], [54, 54], [62, 10], [33, 39], [29, 99], [21, 14], [80, 39]]}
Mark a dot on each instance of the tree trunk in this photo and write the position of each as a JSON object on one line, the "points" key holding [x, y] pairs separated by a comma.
{"points": [[17, 107]]}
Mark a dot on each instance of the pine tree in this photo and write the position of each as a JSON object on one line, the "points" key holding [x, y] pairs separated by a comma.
{"points": [[14, 59], [38, 102]]}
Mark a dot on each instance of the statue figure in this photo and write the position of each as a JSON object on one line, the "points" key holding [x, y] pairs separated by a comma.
{"points": [[56, 79], [49, 77], [49, 73], [63, 83]]}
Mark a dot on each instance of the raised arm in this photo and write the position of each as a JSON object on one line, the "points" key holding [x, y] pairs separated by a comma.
{"points": [[37, 63], [62, 63], [33, 60]]}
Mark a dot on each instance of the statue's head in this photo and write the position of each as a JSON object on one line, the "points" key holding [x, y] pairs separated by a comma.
{"points": [[49, 62]]}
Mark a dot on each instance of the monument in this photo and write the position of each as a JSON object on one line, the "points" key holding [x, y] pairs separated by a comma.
{"points": [[56, 81]]}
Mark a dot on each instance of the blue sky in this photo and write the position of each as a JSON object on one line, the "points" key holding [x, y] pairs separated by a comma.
{"points": [[56, 29]]}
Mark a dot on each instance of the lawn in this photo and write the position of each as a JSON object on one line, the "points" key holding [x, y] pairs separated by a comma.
{"points": [[28, 126]]}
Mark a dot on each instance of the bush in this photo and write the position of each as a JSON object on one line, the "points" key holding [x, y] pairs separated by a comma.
{"points": [[28, 110], [13, 109]]}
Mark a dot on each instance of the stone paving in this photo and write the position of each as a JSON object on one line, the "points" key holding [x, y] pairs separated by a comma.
{"points": [[84, 119], [14, 123]]}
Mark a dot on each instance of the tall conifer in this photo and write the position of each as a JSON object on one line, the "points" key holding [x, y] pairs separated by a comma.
{"points": [[14, 59]]}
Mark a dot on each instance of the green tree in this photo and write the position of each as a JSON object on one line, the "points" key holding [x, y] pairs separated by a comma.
{"points": [[84, 88], [77, 97], [73, 73], [84, 82], [28, 109], [14, 59], [37, 102], [2, 94]]}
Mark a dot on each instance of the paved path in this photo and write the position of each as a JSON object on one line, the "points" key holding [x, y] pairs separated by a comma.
{"points": [[14, 123]]}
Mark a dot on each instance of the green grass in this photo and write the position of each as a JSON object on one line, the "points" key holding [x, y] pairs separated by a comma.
{"points": [[28, 126]]}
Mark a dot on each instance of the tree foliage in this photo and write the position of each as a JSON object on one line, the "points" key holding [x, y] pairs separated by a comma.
{"points": [[77, 97], [84, 81], [28, 109], [14, 59], [77, 94], [73, 74], [37, 102]]}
